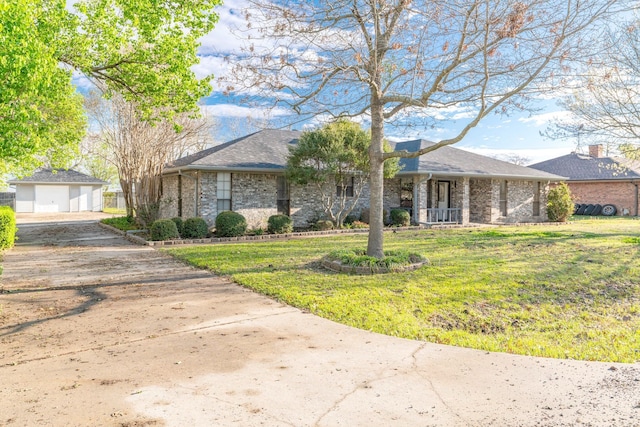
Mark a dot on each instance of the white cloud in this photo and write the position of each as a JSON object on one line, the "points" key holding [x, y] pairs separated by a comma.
{"points": [[238, 111], [545, 118], [211, 65]]}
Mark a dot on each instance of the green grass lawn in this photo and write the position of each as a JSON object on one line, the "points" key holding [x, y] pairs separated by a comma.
{"points": [[563, 291], [114, 211]]}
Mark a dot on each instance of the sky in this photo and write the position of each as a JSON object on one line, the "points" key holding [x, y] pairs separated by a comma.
{"points": [[496, 136]]}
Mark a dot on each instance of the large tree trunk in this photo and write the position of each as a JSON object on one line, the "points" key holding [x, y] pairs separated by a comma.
{"points": [[376, 182], [127, 192]]}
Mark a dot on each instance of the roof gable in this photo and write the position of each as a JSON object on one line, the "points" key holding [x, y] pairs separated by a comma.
{"points": [[456, 162], [58, 176], [580, 167], [264, 150]]}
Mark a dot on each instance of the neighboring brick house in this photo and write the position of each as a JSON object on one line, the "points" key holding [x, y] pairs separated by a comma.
{"points": [[246, 175], [598, 179]]}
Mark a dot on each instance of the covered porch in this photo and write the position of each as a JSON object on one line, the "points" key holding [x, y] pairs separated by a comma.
{"points": [[462, 200]]}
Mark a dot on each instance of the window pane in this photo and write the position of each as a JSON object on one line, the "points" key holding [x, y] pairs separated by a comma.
{"points": [[224, 205], [223, 187]]}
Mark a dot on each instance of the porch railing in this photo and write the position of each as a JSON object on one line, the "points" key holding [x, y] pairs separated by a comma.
{"points": [[452, 216]]}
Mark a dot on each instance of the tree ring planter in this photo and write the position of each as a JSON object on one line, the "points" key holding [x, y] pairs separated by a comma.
{"points": [[338, 267]]}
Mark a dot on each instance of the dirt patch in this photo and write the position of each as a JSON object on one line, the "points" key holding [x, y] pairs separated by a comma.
{"points": [[84, 313]]}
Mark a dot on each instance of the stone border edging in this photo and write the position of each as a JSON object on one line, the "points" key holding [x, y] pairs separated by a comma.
{"points": [[139, 240], [127, 235], [338, 267], [212, 240]]}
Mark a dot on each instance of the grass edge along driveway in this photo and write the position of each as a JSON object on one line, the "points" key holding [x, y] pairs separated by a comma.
{"points": [[562, 291]]}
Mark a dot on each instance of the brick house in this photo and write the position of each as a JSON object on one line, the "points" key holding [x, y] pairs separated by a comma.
{"points": [[246, 175], [598, 179]]}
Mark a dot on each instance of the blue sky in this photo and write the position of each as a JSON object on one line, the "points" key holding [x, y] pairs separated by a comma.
{"points": [[496, 136]]}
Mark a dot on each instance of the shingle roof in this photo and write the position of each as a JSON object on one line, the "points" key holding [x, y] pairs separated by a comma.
{"points": [[580, 167], [58, 176], [456, 162], [268, 150]]}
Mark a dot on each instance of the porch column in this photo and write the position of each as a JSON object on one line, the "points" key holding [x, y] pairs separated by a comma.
{"points": [[420, 194], [465, 200]]}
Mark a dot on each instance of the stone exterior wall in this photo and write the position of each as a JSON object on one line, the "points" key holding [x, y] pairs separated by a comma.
{"points": [[306, 206], [169, 203], [254, 196], [520, 197], [623, 195], [392, 193], [169, 206], [208, 199], [480, 201]]}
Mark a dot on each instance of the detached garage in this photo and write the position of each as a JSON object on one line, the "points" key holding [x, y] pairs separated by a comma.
{"points": [[50, 190]]}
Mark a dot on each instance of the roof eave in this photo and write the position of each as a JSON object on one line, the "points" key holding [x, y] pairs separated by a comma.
{"points": [[552, 178], [177, 169], [57, 183], [608, 180]]}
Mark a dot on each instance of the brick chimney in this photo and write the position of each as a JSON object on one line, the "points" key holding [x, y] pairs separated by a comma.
{"points": [[595, 150]]}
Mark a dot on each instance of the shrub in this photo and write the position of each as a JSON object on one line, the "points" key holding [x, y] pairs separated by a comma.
{"points": [[349, 220], [7, 227], [194, 228], [179, 224], [164, 229], [364, 216], [392, 261], [359, 224], [230, 224], [399, 217], [559, 203], [279, 224], [323, 224]]}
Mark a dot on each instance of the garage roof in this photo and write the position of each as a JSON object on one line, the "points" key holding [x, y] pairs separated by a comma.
{"points": [[58, 176], [581, 167]]}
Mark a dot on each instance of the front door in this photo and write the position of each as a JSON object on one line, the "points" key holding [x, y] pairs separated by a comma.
{"points": [[443, 194]]}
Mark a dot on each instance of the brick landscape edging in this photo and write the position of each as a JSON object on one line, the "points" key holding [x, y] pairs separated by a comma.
{"points": [[129, 235]]}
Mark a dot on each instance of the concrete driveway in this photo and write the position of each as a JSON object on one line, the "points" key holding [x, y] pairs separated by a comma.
{"points": [[97, 331]]}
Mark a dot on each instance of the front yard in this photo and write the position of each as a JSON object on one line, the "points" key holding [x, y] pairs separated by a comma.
{"points": [[563, 291]]}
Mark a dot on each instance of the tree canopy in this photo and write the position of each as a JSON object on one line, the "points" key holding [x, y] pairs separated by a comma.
{"points": [[334, 159], [605, 99], [405, 61], [142, 49]]}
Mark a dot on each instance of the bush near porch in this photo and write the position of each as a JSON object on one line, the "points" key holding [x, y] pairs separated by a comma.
{"points": [[563, 291]]}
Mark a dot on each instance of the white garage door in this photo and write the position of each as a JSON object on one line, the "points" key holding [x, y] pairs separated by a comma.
{"points": [[52, 198]]}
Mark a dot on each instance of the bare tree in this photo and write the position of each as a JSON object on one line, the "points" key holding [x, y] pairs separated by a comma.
{"points": [[515, 158], [403, 61], [605, 102], [139, 149]]}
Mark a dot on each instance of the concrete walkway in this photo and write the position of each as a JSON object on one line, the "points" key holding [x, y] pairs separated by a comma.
{"points": [[101, 332]]}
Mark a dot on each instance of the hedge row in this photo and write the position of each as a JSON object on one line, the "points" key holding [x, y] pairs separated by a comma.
{"points": [[7, 227], [228, 224], [176, 228]]}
